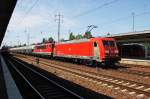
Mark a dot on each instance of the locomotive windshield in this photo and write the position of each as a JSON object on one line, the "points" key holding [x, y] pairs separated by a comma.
{"points": [[41, 47], [108, 43]]}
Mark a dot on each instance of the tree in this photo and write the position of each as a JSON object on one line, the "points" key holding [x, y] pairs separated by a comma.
{"points": [[71, 36], [62, 40], [108, 34], [50, 39], [24, 44], [79, 36], [87, 35], [44, 40]]}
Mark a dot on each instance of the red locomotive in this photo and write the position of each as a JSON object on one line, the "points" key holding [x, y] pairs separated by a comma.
{"points": [[44, 49], [102, 50]]}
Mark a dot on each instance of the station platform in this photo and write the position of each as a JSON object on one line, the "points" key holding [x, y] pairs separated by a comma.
{"points": [[8, 88], [135, 61]]}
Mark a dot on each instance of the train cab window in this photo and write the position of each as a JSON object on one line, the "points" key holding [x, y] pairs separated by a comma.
{"points": [[41, 47], [38, 47], [109, 43], [95, 44], [105, 43]]}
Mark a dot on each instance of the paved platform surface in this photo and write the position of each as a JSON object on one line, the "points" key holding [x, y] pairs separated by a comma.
{"points": [[3, 92], [8, 89], [135, 61]]}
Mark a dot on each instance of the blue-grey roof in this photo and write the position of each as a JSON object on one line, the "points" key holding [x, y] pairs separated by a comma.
{"points": [[129, 33]]}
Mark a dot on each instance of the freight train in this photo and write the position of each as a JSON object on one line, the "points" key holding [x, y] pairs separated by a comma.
{"points": [[89, 51]]}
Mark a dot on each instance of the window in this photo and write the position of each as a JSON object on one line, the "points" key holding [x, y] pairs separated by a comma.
{"points": [[105, 43], [109, 43], [95, 44], [41, 47]]}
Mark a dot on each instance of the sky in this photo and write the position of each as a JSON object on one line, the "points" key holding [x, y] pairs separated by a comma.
{"points": [[36, 18]]}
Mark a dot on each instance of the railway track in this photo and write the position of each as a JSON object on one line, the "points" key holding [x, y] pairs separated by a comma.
{"points": [[124, 70], [44, 87], [124, 85]]}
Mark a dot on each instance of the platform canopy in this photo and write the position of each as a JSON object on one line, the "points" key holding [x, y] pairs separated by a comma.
{"points": [[6, 10], [137, 36], [134, 38]]}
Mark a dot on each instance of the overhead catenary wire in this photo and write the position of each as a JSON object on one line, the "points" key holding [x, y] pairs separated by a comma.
{"points": [[124, 18], [28, 11], [96, 8], [120, 19], [32, 7]]}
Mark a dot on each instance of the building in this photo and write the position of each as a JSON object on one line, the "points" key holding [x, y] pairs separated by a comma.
{"points": [[134, 44]]}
